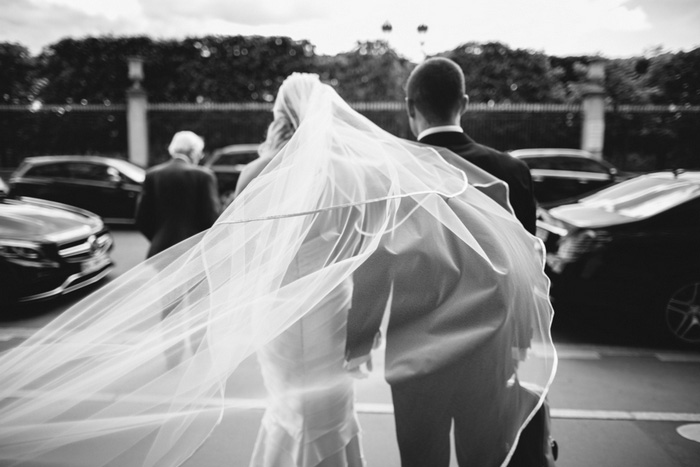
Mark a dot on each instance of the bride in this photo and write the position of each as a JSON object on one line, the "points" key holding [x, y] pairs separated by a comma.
{"points": [[274, 278], [310, 420]]}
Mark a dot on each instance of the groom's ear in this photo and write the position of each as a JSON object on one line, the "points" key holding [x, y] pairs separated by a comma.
{"points": [[463, 102], [411, 107]]}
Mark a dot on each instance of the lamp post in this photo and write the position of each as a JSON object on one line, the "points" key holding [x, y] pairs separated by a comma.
{"points": [[386, 29], [593, 106], [135, 71], [422, 31]]}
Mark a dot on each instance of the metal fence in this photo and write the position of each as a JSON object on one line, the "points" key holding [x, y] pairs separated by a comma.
{"points": [[636, 138]]}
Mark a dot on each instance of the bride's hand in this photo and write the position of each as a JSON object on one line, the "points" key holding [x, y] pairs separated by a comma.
{"points": [[359, 367]]}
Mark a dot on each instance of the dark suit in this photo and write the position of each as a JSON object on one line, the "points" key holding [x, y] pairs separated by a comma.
{"points": [[445, 356], [507, 168], [178, 200]]}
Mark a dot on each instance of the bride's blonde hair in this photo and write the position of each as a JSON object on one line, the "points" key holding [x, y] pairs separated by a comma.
{"points": [[279, 133], [289, 107]]}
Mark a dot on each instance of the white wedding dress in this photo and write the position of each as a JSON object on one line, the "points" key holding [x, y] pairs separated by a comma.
{"points": [[310, 419]]}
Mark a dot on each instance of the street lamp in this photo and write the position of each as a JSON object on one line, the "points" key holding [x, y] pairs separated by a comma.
{"points": [[422, 30], [135, 71], [386, 29]]}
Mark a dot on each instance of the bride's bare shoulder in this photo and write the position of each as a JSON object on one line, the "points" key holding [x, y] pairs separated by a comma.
{"points": [[251, 171]]}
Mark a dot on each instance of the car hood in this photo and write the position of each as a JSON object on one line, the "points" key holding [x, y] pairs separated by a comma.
{"points": [[637, 199], [586, 217], [24, 219]]}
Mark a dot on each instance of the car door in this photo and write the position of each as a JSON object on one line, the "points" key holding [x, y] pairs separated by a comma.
{"points": [[39, 181], [97, 187], [585, 175], [559, 177]]}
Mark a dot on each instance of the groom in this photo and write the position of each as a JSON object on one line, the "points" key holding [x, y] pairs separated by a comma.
{"points": [[445, 370], [435, 104]]}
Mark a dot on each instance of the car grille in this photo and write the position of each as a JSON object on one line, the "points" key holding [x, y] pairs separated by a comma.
{"points": [[79, 250]]}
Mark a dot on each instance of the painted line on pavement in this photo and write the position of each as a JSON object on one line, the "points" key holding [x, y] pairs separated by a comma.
{"points": [[381, 408], [622, 415], [564, 351]]}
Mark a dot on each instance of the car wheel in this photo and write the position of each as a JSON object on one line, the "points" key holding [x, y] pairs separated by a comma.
{"points": [[681, 313]]}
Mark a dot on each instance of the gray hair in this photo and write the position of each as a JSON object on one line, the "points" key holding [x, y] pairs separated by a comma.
{"points": [[186, 143]]}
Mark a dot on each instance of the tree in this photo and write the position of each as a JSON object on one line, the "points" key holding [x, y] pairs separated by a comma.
{"points": [[372, 71], [210, 68], [16, 68], [232, 68], [676, 77], [88, 70], [624, 84], [495, 72]]}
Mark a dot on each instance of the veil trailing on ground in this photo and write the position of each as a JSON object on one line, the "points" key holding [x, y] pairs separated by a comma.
{"points": [[93, 387]]}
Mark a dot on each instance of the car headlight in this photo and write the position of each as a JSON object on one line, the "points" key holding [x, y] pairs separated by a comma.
{"points": [[25, 253]]}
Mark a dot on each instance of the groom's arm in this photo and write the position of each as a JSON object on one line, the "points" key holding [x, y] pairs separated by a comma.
{"points": [[371, 291]]}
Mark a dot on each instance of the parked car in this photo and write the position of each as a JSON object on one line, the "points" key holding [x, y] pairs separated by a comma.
{"points": [[227, 163], [49, 249], [558, 174], [108, 187], [632, 253]]}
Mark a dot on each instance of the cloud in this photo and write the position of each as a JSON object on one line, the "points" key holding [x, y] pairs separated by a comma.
{"points": [[558, 27], [241, 12]]}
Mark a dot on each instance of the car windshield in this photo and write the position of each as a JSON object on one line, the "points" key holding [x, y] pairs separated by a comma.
{"points": [[135, 173], [644, 196], [236, 158]]}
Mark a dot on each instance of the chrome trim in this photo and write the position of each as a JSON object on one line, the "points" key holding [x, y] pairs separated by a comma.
{"points": [[562, 232], [67, 286], [93, 245]]}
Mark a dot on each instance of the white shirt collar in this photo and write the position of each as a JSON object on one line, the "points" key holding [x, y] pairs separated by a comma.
{"points": [[440, 129]]}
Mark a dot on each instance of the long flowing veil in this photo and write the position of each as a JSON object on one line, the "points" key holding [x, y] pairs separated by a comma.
{"points": [[93, 388]]}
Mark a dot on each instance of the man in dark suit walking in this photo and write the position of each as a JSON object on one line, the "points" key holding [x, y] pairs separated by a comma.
{"points": [[435, 103], [179, 198]]}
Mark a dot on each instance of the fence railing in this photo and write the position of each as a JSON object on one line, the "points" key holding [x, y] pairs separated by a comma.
{"points": [[636, 137]]}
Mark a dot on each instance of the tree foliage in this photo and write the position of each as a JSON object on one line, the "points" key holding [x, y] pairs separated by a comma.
{"points": [[495, 72], [251, 68], [676, 78], [371, 72], [211, 68], [16, 69]]}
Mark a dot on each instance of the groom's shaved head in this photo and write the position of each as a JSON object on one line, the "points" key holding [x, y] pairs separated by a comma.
{"points": [[436, 86]]}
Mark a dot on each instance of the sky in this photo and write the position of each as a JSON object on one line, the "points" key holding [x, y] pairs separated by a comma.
{"points": [[609, 28]]}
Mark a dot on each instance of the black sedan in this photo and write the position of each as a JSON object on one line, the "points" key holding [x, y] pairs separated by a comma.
{"points": [[108, 187], [631, 253], [48, 249], [227, 163], [558, 174]]}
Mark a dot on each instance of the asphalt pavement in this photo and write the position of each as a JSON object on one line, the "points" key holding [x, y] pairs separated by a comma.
{"points": [[611, 405]]}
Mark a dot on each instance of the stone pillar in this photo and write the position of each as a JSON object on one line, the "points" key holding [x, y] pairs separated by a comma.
{"points": [[136, 115], [593, 107]]}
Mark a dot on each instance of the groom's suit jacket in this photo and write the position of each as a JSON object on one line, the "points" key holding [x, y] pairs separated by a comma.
{"points": [[499, 164], [448, 302]]}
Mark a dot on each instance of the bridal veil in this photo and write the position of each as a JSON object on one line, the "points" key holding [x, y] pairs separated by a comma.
{"points": [[92, 387]]}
